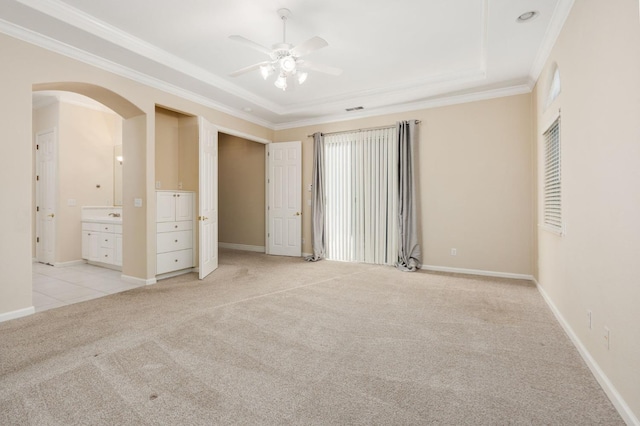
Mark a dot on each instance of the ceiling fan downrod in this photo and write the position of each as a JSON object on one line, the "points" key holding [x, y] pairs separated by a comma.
{"points": [[284, 14]]}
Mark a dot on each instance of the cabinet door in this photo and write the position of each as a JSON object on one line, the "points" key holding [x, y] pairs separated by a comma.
{"points": [[165, 206], [184, 206], [85, 244], [94, 246], [118, 255]]}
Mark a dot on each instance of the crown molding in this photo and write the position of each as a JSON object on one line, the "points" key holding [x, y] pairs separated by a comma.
{"points": [[105, 31], [419, 88], [560, 15], [416, 89], [513, 90], [61, 11], [64, 49]]}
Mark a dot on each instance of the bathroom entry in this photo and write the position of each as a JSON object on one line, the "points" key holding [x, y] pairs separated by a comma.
{"points": [[74, 142]]}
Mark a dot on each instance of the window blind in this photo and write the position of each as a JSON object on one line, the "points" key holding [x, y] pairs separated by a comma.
{"points": [[361, 213], [552, 177]]}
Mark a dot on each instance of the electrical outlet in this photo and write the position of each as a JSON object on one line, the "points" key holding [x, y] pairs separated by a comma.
{"points": [[589, 318], [607, 338], [158, 184], [454, 252]]}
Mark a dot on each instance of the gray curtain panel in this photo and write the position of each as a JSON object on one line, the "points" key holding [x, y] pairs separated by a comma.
{"points": [[317, 200], [409, 253]]}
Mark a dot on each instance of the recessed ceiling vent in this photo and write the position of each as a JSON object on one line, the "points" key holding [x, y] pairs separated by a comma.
{"points": [[358, 108]]}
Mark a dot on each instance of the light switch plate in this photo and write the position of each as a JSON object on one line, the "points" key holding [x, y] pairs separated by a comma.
{"points": [[137, 202]]}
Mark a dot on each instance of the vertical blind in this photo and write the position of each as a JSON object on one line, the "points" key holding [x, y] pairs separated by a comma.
{"points": [[552, 177], [361, 216]]}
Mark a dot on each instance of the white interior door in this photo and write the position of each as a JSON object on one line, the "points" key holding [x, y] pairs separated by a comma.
{"points": [[285, 207], [208, 197], [46, 149]]}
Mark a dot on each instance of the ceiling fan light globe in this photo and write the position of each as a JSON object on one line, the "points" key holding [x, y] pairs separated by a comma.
{"points": [[265, 71], [288, 64], [302, 77], [281, 82]]}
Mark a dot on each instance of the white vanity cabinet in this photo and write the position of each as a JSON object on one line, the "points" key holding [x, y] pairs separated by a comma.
{"points": [[102, 242], [175, 231]]}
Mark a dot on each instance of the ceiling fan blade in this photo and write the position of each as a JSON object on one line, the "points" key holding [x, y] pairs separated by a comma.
{"points": [[309, 46], [247, 69], [320, 68], [251, 44]]}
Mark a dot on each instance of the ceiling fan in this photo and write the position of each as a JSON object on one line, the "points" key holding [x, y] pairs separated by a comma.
{"points": [[285, 58]]}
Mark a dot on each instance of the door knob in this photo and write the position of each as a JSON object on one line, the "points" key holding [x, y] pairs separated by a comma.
{"points": [[297, 214], [51, 215]]}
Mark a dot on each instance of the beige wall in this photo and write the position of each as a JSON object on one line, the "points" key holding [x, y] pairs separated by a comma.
{"points": [[26, 66], [474, 182], [167, 149], [176, 150], [595, 265], [241, 199], [86, 138], [189, 142]]}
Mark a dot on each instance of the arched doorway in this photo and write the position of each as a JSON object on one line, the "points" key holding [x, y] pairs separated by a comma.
{"points": [[133, 132]]}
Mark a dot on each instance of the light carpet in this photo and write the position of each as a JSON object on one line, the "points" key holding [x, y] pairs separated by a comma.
{"points": [[273, 340]]}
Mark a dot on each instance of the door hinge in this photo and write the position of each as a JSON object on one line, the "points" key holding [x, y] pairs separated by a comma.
{"points": [[37, 177], [268, 235], [37, 147], [37, 208], [37, 239], [268, 207]]}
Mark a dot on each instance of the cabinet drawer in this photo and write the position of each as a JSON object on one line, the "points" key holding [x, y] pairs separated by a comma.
{"points": [[174, 226], [107, 240], [171, 241], [90, 226], [106, 255], [174, 261], [108, 227]]}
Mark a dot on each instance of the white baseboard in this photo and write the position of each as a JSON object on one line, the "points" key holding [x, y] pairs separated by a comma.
{"points": [[477, 272], [616, 399], [176, 273], [17, 314], [70, 263], [137, 281], [243, 247]]}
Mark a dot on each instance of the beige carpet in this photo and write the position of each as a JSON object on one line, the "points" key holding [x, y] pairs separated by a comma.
{"points": [[271, 340]]}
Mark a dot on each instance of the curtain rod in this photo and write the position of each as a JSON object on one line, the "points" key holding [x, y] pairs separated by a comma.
{"points": [[361, 130]]}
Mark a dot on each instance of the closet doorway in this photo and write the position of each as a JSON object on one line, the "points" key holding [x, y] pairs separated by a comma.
{"points": [[242, 192]]}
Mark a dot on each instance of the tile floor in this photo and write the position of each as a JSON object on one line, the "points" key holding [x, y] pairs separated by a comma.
{"points": [[55, 287]]}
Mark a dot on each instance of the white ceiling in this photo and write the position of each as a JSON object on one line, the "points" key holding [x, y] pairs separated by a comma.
{"points": [[395, 56]]}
